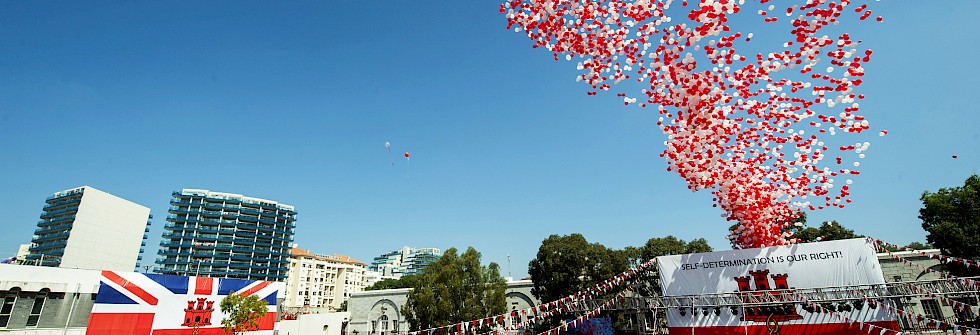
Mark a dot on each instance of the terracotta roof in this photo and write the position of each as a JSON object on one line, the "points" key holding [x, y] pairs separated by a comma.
{"points": [[297, 252]]}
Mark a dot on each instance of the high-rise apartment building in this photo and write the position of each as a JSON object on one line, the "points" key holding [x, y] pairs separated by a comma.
{"points": [[85, 228], [322, 280], [226, 235], [404, 261]]}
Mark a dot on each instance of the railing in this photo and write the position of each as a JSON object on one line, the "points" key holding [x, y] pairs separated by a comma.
{"points": [[48, 215], [61, 203]]}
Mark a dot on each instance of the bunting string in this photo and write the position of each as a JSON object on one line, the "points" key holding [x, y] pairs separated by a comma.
{"points": [[871, 329], [970, 283], [542, 311], [969, 263], [920, 319]]}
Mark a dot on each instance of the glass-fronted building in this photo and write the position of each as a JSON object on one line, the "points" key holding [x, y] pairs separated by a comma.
{"points": [[226, 235], [405, 261], [85, 228]]}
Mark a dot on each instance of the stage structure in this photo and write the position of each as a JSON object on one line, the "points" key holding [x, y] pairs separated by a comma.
{"points": [[766, 280]]}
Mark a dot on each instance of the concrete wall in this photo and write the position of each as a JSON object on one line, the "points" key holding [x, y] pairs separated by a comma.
{"points": [[896, 271], [315, 324], [69, 296], [369, 307], [106, 234]]}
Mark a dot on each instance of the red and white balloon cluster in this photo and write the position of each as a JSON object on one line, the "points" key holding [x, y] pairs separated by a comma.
{"points": [[749, 127]]}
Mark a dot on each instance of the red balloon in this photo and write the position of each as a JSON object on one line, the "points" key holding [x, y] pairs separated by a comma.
{"points": [[954, 157], [406, 154]]}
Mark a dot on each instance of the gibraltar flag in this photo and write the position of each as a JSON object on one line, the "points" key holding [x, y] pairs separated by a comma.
{"points": [[145, 304]]}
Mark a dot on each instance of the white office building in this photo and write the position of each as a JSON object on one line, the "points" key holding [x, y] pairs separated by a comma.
{"points": [[322, 281], [85, 228]]}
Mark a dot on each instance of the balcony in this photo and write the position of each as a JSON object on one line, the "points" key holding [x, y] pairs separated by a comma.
{"points": [[219, 206], [183, 211], [77, 191], [250, 210], [48, 246], [57, 204], [248, 218], [65, 226], [211, 214], [70, 218], [52, 214], [51, 237]]}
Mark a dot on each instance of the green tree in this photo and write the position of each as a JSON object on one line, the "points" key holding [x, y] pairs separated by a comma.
{"points": [[405, 281], [951, 217], [242, 313], [828, 231], [670, 245], [343, 307], [919, 246], [454, 289], [568, 264]]}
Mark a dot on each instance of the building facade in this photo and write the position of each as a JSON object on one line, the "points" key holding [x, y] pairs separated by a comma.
{"points": [[85, 228], [226, 235], [46, 300], [896, 271], [322, 281], [379, 312], [394, 264]]}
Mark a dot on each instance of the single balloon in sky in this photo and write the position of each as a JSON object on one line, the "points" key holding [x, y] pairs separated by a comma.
{"points": [[408, 163], [390, 156]]}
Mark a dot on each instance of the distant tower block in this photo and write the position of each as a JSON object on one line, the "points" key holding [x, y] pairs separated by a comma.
{"points": [[743, 283], [780, 281], [761, 280]]}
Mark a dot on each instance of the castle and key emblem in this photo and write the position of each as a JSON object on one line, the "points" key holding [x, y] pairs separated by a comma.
{"points": [[198, 314], [769, 313]]}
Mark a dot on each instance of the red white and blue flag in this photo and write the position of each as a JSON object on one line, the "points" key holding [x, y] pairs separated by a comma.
{"points": [[151, 304]]}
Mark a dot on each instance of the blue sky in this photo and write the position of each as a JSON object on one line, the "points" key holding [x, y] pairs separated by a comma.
{"points": [[293, 102]]}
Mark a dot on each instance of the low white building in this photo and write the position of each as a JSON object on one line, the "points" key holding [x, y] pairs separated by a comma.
{"points": [[379, 312], [315, 324], [46, 300], [322, 281]]}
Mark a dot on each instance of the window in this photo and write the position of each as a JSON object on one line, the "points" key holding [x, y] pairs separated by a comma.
{"points": [[931, 309], [8, 306], [35, 315], [967, 313], [384, 324]]}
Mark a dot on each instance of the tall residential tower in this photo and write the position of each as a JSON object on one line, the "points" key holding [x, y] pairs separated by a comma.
{"points": [[227, 235], [85, 228]]}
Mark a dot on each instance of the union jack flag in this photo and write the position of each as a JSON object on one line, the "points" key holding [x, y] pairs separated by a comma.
{"points": [[151, 304]]}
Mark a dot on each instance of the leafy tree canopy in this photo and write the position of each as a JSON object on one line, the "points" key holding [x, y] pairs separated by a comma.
{"points": [[951, 217], [670, 245], [567, 264], [405, 281], [242, 313], [454, 289], [828, 231]]}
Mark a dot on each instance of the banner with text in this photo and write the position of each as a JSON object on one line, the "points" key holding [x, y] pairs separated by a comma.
{"points": [[749, 272]]}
